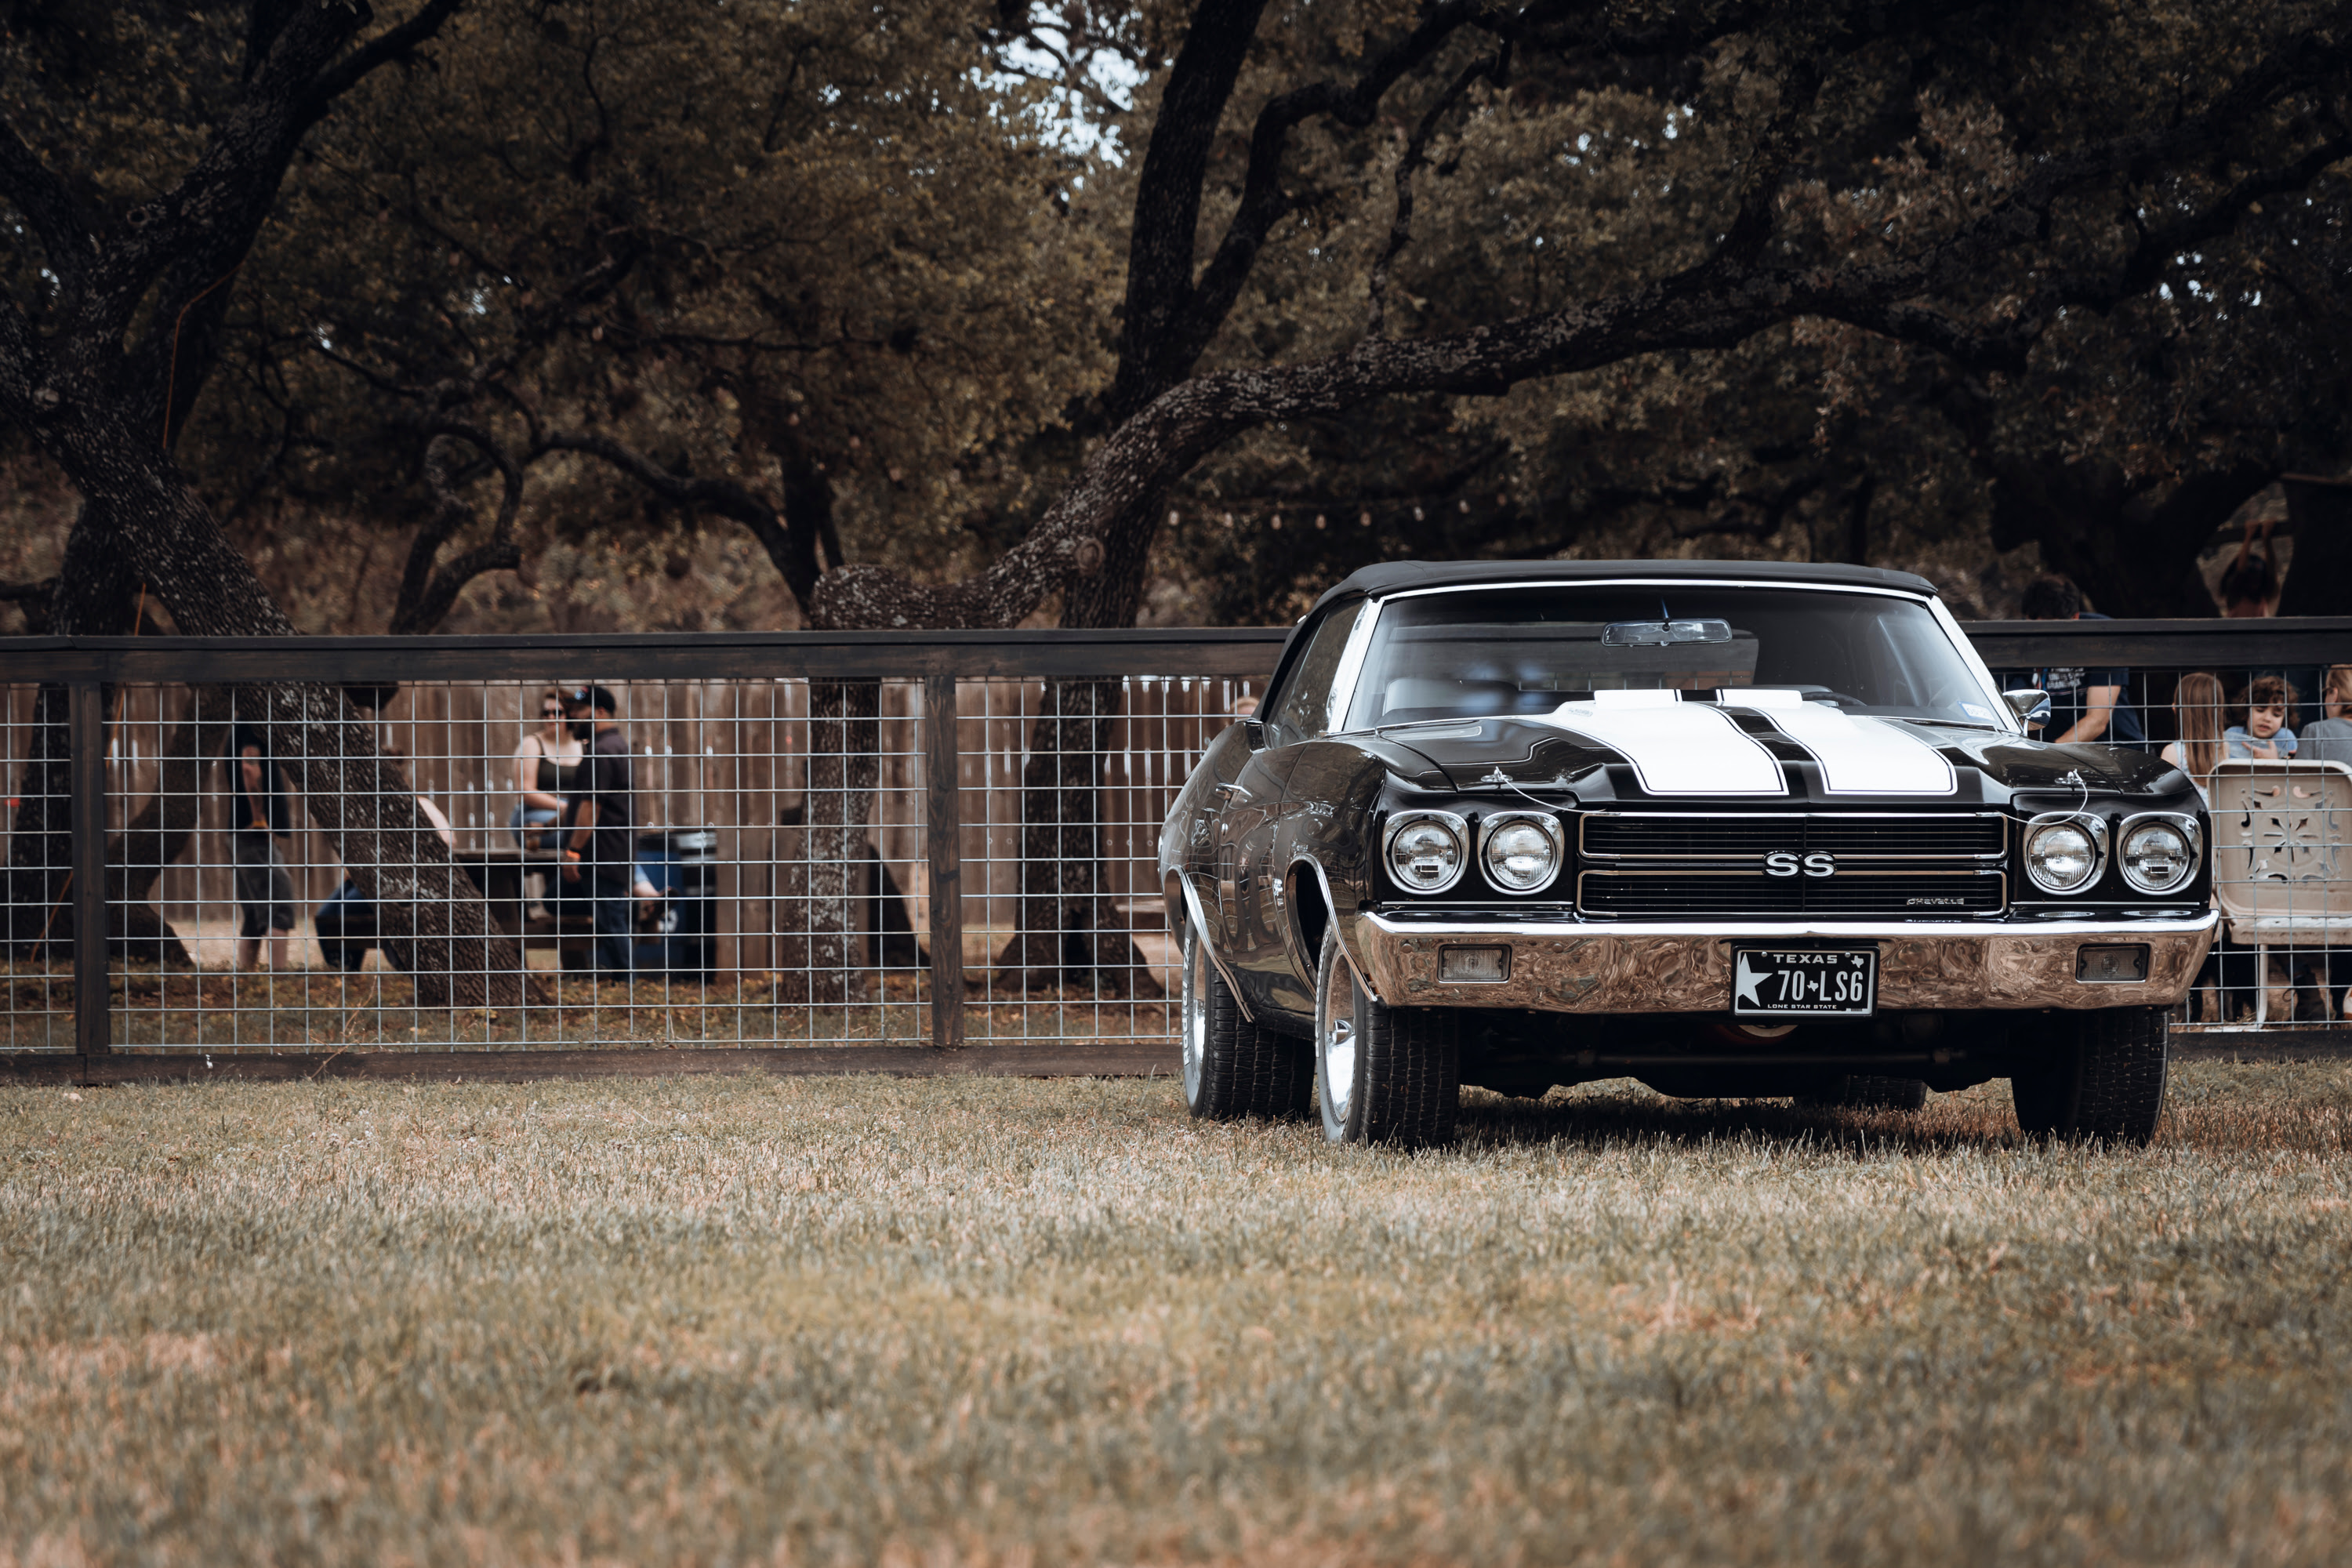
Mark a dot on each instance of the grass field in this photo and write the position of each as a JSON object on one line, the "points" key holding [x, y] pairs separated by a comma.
{"points": [[1007, 1321]]}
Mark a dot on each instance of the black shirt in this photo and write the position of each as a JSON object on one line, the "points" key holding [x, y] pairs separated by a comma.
{"points": [[603, 779], [268, 807], [2070, 697]]}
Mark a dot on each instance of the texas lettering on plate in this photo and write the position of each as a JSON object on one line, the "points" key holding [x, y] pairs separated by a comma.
{"points": [[1803, 983]]}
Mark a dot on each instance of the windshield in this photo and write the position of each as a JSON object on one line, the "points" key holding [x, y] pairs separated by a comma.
{"points": [[1476, 654]]}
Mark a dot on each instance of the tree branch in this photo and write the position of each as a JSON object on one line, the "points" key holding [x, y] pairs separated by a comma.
{"points": [[1165, 342], [792, 548], [394, 44], [427, 595], [1167, 189], [2138, 272], [196, 234], [1416, 153]]}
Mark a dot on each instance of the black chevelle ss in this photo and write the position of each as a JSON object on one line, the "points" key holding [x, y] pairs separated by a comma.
{"points": [[1730, 828]]}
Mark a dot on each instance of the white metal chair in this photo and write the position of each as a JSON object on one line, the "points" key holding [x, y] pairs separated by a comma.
{"points": [[2282, 858]]}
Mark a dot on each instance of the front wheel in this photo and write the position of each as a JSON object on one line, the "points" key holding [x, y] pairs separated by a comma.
{"points": [[2103, 1076], [1384, 1075]]}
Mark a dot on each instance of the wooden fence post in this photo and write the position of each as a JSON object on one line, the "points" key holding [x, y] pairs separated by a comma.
{"points": [[86, 715], [943, 825]]}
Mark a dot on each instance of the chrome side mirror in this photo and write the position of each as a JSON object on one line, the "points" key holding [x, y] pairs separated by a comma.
{"points": [[2030, 704]]}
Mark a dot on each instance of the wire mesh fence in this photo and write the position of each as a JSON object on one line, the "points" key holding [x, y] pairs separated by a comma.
{"points": [[764, 871], [937, 840]]}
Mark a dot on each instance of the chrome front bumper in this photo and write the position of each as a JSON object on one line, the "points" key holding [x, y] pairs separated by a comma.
{"points": [[1565, 967]]}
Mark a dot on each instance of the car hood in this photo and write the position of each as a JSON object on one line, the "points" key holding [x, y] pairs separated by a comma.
{"points": [[1770, 750]]}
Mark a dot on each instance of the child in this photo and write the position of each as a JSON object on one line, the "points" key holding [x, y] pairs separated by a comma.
{"points": [[2196, 716], [2264, 734], [2329, 739]]}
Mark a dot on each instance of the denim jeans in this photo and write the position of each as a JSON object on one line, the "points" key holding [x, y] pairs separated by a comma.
{"points": [[615, 928], [526, 822]]}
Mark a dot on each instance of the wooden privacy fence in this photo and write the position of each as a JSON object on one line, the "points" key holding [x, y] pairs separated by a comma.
{"points": [[719, 733]]}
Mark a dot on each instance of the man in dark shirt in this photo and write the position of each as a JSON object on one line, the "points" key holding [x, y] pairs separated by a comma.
{"points": [[600, 824], [2085, 704], [259, 818]]}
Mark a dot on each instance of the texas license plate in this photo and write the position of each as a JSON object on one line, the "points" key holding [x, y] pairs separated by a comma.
{"points": [[1803, 982]]}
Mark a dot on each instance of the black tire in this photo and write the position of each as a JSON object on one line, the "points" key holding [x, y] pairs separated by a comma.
{"points": [[1401, 1065], [1868, 1091], [1231, 1067], [2101, 1076]]}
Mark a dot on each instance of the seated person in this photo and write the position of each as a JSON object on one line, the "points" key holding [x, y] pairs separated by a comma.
{"points": [[2329, 739], [546, 765], [2197, 711], [345, 923], [2264, 734]]}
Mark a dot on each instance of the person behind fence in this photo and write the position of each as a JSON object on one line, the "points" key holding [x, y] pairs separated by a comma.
{"points": [[2085, 704], [259, 817], [600, 821], [2264, 734], [2198, 718], [545, 766], [2329, 739], [345, 924]]}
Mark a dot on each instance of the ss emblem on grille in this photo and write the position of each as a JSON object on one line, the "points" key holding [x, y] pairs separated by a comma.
{"points": [[1785, 863]]}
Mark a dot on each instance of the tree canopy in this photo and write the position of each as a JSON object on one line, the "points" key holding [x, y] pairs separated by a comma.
{"points": [[570, 302]]}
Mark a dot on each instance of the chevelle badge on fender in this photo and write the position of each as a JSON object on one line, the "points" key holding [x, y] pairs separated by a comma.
{"points": [[1730, 827]]}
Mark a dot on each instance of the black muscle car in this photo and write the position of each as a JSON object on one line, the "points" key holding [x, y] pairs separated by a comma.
{"points": [[1730, 828]]}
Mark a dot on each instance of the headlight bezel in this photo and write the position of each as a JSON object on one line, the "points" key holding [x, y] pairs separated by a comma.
{"points": [[2191, 834], [2092, 827], [1464, 846], [1554, 837]]}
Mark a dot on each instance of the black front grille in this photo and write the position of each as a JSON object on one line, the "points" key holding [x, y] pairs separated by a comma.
{"points": [[1912, 894], [1748, 835]]}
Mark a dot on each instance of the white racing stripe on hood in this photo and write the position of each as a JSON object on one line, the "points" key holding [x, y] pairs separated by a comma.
{"points": [[1858, 755], [1675, 747]]}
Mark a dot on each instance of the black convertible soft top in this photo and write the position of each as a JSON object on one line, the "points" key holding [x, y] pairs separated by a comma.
{"points": [[1389, 576], [1392, 576]]}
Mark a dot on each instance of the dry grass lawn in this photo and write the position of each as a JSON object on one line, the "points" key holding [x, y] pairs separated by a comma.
{"points": [[986, 1320]]}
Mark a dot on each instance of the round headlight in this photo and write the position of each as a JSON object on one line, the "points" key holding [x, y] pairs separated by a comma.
{"points": [[1427, 850], [2157, 856], [1521, 852], [2062, 857]]}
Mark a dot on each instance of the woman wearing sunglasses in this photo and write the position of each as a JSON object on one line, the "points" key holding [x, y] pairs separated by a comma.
{"points": [[545, 764]]}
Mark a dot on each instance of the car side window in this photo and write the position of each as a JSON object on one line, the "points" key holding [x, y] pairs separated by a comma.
{"points": [[1304, 709]]}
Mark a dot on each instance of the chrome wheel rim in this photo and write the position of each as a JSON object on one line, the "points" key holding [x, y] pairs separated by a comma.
{"points": [[1196, 1014], [1338, 1043]]}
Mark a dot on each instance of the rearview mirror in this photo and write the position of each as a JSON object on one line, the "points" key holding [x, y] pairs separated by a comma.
{"points": [[1662, 633], [2030, 704]]}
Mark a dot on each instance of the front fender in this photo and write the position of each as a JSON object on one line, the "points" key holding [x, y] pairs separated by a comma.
{"points": [[1183, 903]]}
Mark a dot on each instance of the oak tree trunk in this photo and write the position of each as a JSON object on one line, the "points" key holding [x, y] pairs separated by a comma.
{"points": [[820, 906], [1072, 932]]}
